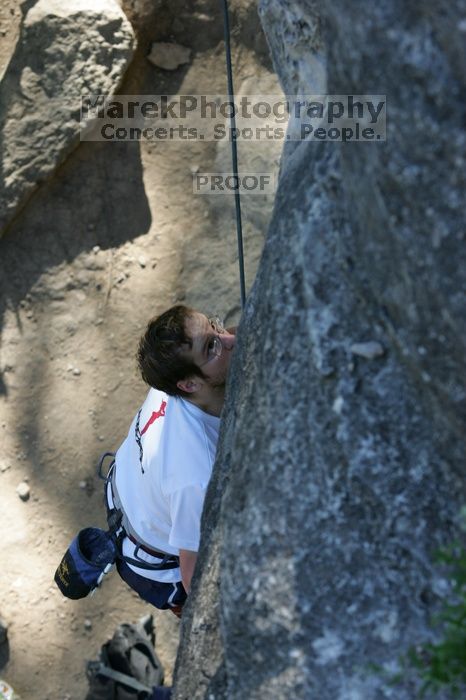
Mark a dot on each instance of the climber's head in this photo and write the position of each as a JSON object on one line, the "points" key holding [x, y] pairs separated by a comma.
{"points": [[185, 354]]}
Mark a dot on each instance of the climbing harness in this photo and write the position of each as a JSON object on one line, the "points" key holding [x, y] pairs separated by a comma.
{"points": [[234, 151], [94, 552], [120, 525]]}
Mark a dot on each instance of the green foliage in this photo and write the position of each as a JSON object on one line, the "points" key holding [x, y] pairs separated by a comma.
{"points": [[442, 666]]}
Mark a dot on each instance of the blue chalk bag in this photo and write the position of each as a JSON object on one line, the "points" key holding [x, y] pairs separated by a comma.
{"points": [[90, 556]]}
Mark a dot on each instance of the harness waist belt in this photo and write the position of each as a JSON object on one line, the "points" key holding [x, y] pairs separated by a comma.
{"points": [[147, 550]]}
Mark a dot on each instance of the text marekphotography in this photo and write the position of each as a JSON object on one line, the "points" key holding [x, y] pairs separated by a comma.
{"points": [[164, 118]]}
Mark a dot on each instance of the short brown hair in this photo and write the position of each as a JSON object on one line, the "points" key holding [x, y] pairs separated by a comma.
{"points": [[159, 359]]}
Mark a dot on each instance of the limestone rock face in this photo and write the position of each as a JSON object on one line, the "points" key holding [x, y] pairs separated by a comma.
{"points": [[340, 467], [65, 50]]}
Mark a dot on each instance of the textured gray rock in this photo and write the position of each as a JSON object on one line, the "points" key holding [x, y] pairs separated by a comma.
{"points": [[337, 478], [144, 12], [295, 39], [65, 50]]}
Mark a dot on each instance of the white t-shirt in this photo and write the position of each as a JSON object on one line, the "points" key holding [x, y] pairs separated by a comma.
{"points": [[163, 495]]}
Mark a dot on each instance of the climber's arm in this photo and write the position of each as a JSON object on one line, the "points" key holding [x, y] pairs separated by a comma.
{"points": [[187, 564]]}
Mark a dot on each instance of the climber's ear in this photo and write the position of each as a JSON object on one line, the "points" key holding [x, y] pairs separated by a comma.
{"points": [[189, 385]]}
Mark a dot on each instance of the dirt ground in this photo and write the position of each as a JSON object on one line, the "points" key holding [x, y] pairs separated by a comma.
{"points": [[115, 237]]}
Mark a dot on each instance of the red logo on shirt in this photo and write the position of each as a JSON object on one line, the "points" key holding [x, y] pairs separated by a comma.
{"points": [[156, 414]]}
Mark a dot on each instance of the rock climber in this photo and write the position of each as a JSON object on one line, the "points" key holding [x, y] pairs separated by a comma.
{"points": [[162, 469]]}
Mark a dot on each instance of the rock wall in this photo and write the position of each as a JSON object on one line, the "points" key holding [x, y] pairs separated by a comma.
{"points": [[62, 53], [340, 467]]}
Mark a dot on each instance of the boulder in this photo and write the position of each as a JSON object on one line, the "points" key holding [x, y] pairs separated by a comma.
{"points": [[65, 51], [340, 468], [147, 15]]}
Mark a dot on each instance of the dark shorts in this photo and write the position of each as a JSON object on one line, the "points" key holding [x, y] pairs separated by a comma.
{"points": [[165, 596]]}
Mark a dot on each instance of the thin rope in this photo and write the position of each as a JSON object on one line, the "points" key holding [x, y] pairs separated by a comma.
{"points": [[234, 153]]}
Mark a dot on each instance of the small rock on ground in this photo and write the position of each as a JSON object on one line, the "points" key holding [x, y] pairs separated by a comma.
{"points": [[23, 491], [168, 56]]}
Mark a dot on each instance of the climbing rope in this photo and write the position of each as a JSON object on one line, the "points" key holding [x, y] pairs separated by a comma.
{"points": [[234, 152]]}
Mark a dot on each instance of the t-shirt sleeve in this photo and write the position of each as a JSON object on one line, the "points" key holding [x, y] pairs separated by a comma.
{"points": [[185, 510]]}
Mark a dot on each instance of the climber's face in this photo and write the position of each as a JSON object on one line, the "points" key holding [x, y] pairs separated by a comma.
{"points": [[211, 350], [212, 346]]}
